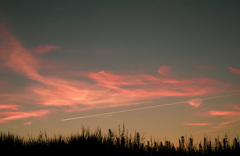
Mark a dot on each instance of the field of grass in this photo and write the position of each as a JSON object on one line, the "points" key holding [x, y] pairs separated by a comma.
{"points": [[113, 143]]}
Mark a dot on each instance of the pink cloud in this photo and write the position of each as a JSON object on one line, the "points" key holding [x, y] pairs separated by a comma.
{"points": [[155, 86], [15, 56], [111, 90], [22, 115], [234, 70], [93, 90], [27, 123], [46, 48], [195, 102], [197, 124], [164, 70], [109, 79], [228, 122], [235, 107], [232, 119], [224, 113], [9, 106]]}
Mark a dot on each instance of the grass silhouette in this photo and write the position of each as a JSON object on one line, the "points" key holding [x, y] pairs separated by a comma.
{"points": [[113, 143]]}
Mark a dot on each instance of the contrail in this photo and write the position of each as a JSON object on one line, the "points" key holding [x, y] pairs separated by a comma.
{"points": [[149, 107]]}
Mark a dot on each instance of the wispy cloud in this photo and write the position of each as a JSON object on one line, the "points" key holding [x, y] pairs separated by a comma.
{"points": [[94, 90], [197, 124], [27, 123], [224, 113], [146, 107], [230, 121], [15, 56], [9, 106], [235, 107], [164, 70], [195, 102], [234, 70], [22, 115]]}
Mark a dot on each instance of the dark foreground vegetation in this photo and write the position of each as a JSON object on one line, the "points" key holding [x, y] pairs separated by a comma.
{"points": [[113, 143]]}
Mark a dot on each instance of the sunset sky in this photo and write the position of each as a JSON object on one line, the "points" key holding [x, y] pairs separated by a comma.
{"points": [[163, 68]]}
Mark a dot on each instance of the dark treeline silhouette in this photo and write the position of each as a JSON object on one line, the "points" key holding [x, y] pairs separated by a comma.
{"points": [[114, 143]]}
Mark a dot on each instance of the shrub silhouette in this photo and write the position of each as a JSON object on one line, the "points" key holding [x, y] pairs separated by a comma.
{"points": [[112, 143]]}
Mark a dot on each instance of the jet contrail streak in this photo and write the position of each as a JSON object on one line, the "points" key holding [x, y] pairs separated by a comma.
{"points": [[149, 107]]}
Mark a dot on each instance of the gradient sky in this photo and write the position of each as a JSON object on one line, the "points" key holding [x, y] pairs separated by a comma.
{"points": [[66, 59]]}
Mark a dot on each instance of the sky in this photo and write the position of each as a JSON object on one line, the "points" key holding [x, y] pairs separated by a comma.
{"points": [[162, 68]]}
